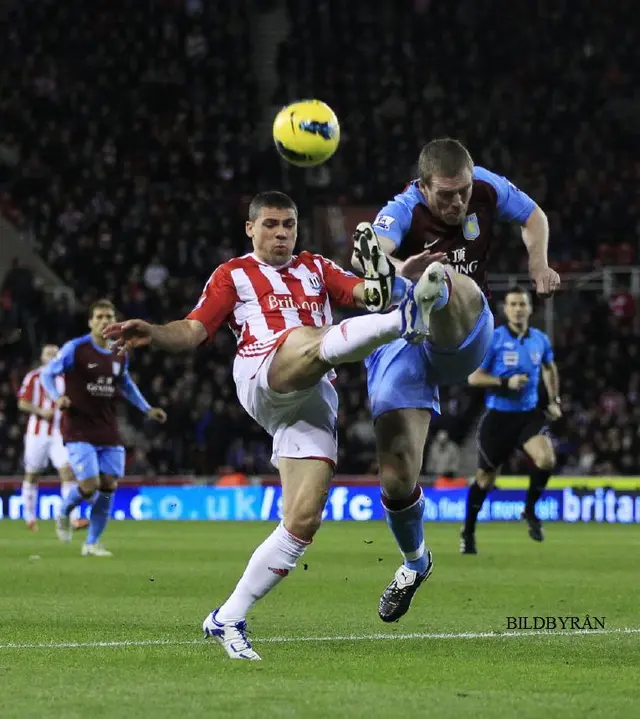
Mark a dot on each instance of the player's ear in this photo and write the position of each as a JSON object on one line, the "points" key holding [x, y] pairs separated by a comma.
{"points": [[248, 228]]}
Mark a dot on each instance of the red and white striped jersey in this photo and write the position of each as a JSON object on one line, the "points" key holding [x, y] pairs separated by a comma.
{"points": [[259, 301], [33, 391]]}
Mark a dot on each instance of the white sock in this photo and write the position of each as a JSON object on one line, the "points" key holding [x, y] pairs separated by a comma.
{"points": [[355, 339], [269, 564], [29, 499], [65, 488]]}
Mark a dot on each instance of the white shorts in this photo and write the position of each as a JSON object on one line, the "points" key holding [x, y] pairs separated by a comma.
{"points": [[39, 450], [303, 424]]}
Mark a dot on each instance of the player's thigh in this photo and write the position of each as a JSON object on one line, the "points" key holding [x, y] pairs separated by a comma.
{"points": [[111, 462], [297, 364], [453, 366], [302, 423], [305, 488], [540, 450], [398, 379], [496, 439], [83, 458], [36, 454]]}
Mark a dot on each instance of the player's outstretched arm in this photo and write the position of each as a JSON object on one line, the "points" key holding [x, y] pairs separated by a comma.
{"points": [[535, 235], [178, 336], [551, 380]]}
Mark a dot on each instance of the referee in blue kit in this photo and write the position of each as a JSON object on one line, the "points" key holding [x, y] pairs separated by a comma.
{"points": [[511, 374]]}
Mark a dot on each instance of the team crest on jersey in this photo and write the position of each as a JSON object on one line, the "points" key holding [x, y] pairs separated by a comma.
{"points": [[116, 368], [315, 282], [471, 227], [536, 357]]}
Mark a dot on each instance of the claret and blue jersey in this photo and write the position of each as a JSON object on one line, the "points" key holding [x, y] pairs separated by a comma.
{"points": [[511, 354], [95, 378], [408, 223]]}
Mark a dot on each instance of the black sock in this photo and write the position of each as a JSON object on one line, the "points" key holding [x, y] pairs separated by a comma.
{"points": [[475, 498], [538, 482]]}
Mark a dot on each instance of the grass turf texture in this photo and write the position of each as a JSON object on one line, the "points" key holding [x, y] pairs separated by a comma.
{"points": [[166, 576]]}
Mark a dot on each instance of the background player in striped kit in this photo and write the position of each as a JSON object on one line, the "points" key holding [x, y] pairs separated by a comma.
{"points": [[43, 441]]}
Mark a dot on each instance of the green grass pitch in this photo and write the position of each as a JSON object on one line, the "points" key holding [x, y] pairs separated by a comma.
{"points": [[135, 622]]}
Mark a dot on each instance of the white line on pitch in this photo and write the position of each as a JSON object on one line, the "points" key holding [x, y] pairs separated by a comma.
{"points": [[335, 638]]}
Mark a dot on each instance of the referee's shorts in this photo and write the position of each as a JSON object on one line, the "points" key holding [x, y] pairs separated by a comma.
{"points": [[501, 433]]}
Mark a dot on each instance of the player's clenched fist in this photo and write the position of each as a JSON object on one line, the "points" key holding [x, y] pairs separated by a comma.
{"points": [[546, 281], [63, 402], [157, 414], [517, 381]]}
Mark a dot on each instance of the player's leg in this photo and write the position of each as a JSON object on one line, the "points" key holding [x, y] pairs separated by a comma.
{"points": [[305, 450], [400, 438], [59, 458], [83, 458], [540, 450], [35, 460], [308, 353], [30, 500], [461, 332], [453, 308], [305, 487], [495, 442], [111, 463], [402, 400]]}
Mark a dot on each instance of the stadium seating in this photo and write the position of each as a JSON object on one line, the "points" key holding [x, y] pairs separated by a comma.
{"points": [[127, 153]]}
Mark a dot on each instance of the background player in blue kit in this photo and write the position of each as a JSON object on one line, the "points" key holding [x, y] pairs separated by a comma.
{"points": [[95, 379], [447, 213], [511, 373]]}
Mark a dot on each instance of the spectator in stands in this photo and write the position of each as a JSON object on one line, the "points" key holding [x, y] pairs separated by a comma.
{"points": [[444, 456]]}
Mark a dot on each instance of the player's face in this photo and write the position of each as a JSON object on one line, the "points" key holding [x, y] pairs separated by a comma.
{"points": [[448, 197], [102, 317], [517, 308], [274, 234], [48, 353]]}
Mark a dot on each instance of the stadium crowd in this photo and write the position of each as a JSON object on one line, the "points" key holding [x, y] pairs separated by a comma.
{"points": [[129, 149]]}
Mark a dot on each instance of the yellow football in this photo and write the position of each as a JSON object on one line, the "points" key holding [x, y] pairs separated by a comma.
{"points": [[306, 133]]}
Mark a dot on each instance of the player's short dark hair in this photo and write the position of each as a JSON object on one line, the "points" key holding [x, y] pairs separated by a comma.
{"points": [[518, 290], [445, 157], [271, 198], [102, 304]]}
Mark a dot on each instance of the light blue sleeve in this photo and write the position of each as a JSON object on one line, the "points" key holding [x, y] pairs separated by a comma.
{"points": [[393, 221], [547, 353], [487, 362], [132, 393], [513, 204], [60, 364]]}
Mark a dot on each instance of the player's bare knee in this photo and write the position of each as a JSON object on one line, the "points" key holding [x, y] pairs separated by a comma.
{"points": [[108, 483], [303, 524], [88, 486], [485, 479], [399, 469]]}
